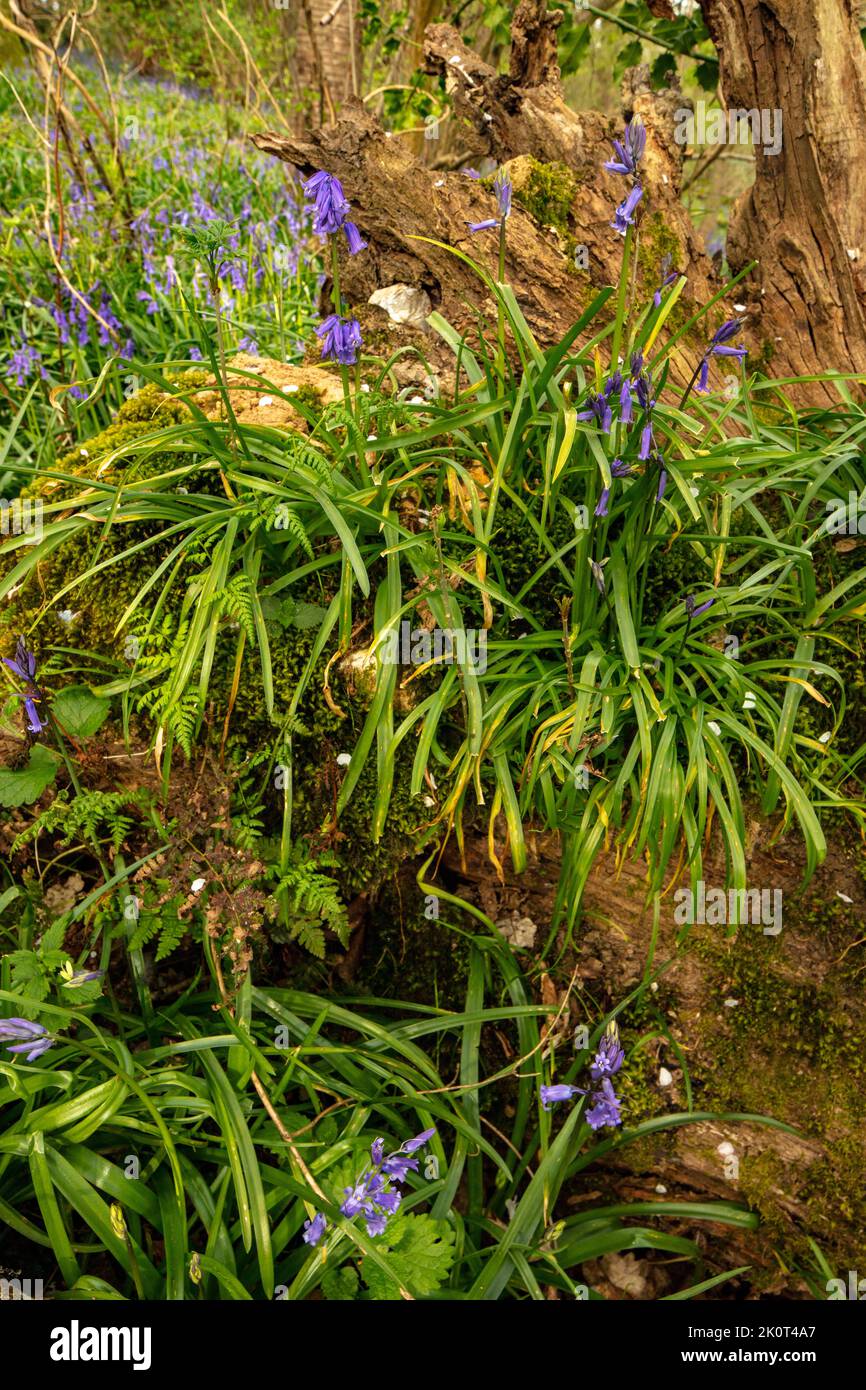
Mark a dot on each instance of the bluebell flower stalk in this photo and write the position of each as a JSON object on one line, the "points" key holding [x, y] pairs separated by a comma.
{"points": [[603, 1105], [375, 1194], [23, 665]]}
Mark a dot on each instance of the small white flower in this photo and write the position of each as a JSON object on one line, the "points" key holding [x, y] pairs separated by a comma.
{"points": [[440, 183], [428, 801], [740, 308], [66, 615], [844, 897], [343, 759], [292, 388], [84, 453], [825, 737], [197, 885], [265, 400], [665, 1078], [716, 728], [365, 387], [750, 702], [661, 1189], [417, 400], [731, 1003], [726, 1148]]}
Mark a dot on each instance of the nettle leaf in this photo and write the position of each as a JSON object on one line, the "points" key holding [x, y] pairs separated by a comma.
{"points": [[340, 1285], [79, 712], [21, 786], [421, 1252]]}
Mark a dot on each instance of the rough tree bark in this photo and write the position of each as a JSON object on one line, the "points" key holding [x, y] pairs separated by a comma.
{"points": [[805, 217]]}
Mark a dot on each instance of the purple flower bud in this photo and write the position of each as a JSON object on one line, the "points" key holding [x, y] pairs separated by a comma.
{"points": [[604, 499], [694, 610], [625, 404], [418, 1142], [663, 482], [377, 1150]]}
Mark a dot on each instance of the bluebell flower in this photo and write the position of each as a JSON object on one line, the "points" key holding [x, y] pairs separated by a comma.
{"points": [[668, 278], [315, 1229], [609, 1057], [599, 410], [554, 1095], [663, 482], [629, 150], [377, 1150], [694, 610], [503, 188], [604, 499], [23, 665], [397, 1165], [718, 346], [605, 1109], [603, 1106], [340, 338], [29, 1038], [625, 403], [623, 217], [418, 1142], [331, 209], [618, 469]]}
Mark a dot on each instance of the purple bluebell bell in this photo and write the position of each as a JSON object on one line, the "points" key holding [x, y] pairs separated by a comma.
{"points": [[31, 1039], [618, 469], [599, 410], [315, 1229], [555, 1095], [629, 150], [23, 665], [625, 403], [623, 218], [663, 482], [694, 610], [340, 338], [605, 1109], [503, 188], [718, 346], [418, 1142], [603, 501], [668, 278], [330, 209]]}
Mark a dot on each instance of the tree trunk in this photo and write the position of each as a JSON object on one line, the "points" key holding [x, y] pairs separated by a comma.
{"points": [[804, 219]]}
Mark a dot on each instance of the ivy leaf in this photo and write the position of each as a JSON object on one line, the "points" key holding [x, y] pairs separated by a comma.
{"points": [[340, 1285], [21, 786], [79, 712], [421, 1252]]}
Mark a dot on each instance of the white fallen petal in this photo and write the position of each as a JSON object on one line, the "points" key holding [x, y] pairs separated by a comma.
{"points": [[665, 1077]]}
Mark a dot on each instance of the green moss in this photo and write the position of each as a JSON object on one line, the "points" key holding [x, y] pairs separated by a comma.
{"points": [[789, 1049], [548, 193]]}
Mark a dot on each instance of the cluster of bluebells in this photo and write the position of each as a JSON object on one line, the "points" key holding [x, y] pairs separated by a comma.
{"points": [[375, 1194], [628, 154], [340, 337], [603, 1105], [23, 667], [22, 1036], [245, 278], [625, 391]]}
